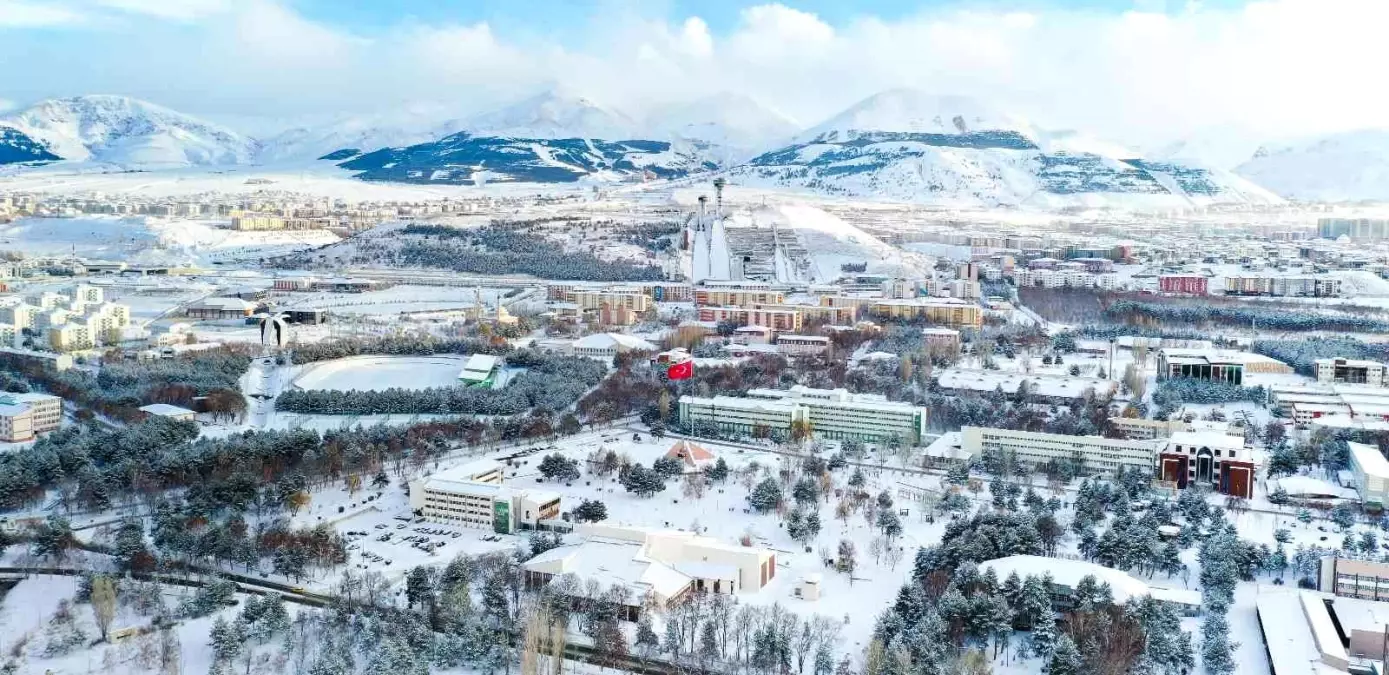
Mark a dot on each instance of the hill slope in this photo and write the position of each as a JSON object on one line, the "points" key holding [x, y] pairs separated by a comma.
{"points": [[466, 159], [1349, 166], [911, 146], [16, 147], [128, 132]]}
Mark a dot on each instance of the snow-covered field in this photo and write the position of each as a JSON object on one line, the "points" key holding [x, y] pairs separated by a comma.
{"points": [[378, 373], [150, 240]]}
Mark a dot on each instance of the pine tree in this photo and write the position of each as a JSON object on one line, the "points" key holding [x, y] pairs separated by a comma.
{"points": [[1065, 658], [1042, 641], [718, 473], [1217, 652], [824, 660], [708, 643], [647, 642], [591, 511], [672, 642], [857, 481], [766, 496]]}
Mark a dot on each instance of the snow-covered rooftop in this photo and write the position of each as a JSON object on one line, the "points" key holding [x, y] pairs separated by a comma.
{"points": [[166, 410], [1209, 439], [1369, 459], [613, 341]]}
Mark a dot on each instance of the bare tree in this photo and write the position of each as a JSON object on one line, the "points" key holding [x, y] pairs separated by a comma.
{"points": [[103, 603]]}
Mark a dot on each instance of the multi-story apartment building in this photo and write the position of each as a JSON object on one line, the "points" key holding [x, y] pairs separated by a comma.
{"points": [[1354, 228], [945, 311], [832, 315], [1095, 453], [1210, 458], [1183, 284], [1350, 371], [776, 319], [1284, 286], [732, 297], [634, 299], [828, 413], [20, 315]]}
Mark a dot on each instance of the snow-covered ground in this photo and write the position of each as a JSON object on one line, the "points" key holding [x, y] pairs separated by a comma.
{"points": [[147, 240], [378, 373]]}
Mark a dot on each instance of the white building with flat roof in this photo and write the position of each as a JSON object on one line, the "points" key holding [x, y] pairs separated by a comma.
{"points": [[472, 495], [670, 564], [1097, 454], [24, 416], [1371, 474], [829, 413], [1350, 371], [605, 346]]}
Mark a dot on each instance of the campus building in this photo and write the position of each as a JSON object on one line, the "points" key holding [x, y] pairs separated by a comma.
{"points": [[828, 413], [668, 565], [473, 495], [789, 320], [24, 416], [1350, 371], [1215, 365], [1210, 458], [1370, 475], [1095, 453]]}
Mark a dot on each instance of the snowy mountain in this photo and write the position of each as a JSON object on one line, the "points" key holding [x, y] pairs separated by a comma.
{"points": [[16, 148], [464, 158], [911, 146], [127, 132], [1349, 166], [549, 115], [738, 125], [311, 142]]}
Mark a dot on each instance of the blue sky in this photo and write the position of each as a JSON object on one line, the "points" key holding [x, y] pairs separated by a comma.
{"points": [[1140, 71]]}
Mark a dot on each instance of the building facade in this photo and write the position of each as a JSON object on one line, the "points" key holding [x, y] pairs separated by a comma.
{"points": [[1350, 371], [1370, 475], [1184, 284], [1095, 453], [1208, 458], [943, 311], [826, 413]]}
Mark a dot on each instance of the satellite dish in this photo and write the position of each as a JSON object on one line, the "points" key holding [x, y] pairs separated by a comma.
{"points": [[274, 331]]}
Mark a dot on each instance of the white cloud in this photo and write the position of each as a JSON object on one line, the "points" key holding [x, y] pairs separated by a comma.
{"points": [[21, 14], [175, 10], [1272, 67], [7, 105]]}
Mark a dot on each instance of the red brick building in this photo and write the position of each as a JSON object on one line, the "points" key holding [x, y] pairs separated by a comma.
{"points": [[1184, 284], [1209, 458]]}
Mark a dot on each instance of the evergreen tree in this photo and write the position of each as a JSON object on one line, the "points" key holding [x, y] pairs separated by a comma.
{"points": [[591, 511], [647, 642], [1217, 652], [667, 467], [766, 496], [824, 660], [857, 481], [718, 473], [1041, 642], [806, 491], [672, 641], [957, 474], [1065, 658]]}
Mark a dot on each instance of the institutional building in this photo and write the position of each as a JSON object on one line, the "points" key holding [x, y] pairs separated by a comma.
{"points": [[1280, 286], [634, 299], [1215, 365], [24, 416], [1370, 474], [829, 413], [1096, 453], [1350, 371], [472, 495], [1210, 458], [668, 565]]}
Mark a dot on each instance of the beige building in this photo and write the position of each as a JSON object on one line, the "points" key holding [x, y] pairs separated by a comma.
{"points": [[1351, 371], [634, 299], [24, 416], [737, 297], [21, 315], [945, 311]]}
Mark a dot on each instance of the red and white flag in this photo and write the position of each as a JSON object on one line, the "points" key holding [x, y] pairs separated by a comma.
{"points": [[681, 371]]}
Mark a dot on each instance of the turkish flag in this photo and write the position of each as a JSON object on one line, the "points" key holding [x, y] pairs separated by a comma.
{"points": [[681, 371]]}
